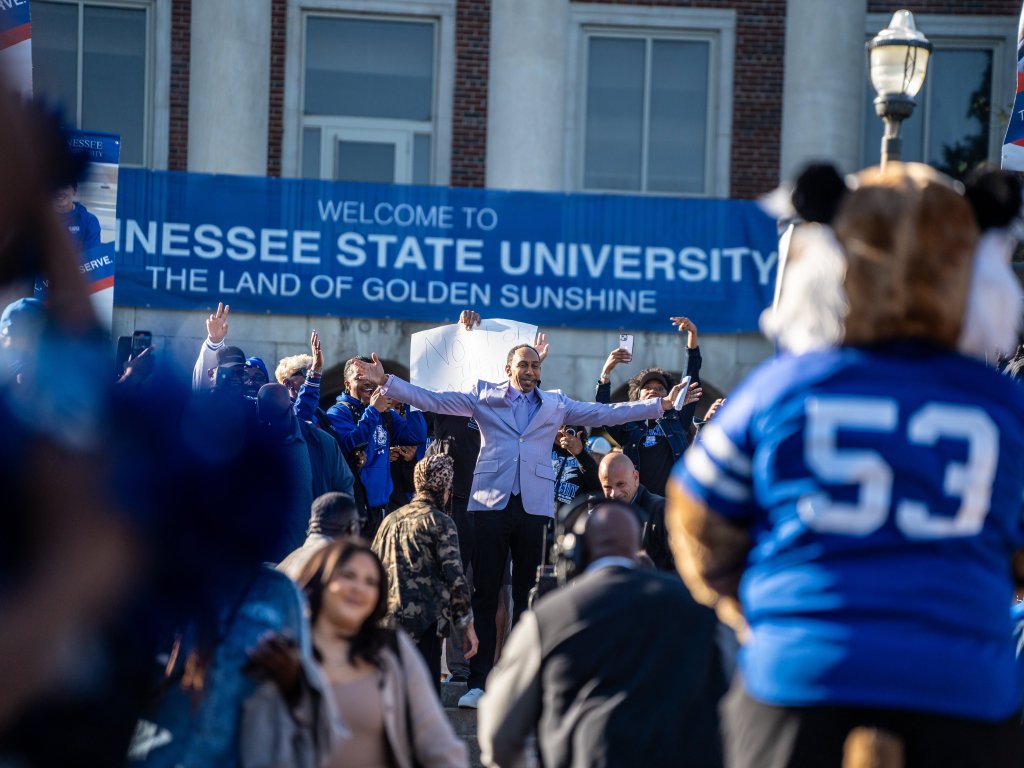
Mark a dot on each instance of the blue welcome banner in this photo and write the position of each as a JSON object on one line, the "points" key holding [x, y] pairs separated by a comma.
{"points": [[301, 247]]}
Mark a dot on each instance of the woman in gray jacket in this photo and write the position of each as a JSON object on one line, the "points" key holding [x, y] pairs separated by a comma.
{"points": [[380, 683]]}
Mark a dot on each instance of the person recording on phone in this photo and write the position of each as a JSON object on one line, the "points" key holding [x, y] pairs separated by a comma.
{"points": [[575, 468], [513, 494], [654, 445]]}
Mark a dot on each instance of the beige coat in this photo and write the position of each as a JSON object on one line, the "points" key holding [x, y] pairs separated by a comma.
{"points": [[433, 741]]}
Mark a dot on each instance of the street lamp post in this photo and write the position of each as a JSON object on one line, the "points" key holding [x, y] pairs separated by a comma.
{"points": [[898, 58]]}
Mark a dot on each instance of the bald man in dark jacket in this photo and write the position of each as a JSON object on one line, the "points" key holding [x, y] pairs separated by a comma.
{"points": [[619, 668]]}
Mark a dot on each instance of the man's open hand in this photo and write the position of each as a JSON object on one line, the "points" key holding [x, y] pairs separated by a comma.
{"points": [[373, 372], [217, 324]]}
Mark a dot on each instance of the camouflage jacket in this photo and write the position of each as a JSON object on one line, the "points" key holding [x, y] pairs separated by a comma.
{"points": [[419, 547]]}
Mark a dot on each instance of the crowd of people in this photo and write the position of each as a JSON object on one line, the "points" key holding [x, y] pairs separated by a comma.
{"points": [[818, 572]]}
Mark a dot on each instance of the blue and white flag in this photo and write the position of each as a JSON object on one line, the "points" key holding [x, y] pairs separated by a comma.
{"points": [[16, 44], [1013, 144]]}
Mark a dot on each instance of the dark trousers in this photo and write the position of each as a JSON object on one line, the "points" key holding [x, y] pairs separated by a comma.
{"points": [[464, 526], [374, 517], [430, 648], [757, 735], [498, 533]]}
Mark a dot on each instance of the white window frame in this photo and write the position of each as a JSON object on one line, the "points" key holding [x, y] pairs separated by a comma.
{"points": [[398, 135], [718, 27], [156, 106], [998, 33], [441, 12]]}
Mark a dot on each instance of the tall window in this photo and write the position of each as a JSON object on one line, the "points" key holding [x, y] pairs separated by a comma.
{"points": [[369, 99], [93, 59], [950, 127], [647, 126], [962, 109]]}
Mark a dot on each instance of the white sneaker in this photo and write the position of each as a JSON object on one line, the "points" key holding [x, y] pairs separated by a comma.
{"points": [[471, 698]]}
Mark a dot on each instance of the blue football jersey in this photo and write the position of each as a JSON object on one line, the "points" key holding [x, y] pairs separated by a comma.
{"points": [[882, 489]]}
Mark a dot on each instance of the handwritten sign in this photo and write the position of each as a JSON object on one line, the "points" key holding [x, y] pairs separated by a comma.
{"points": [[450, 358]]}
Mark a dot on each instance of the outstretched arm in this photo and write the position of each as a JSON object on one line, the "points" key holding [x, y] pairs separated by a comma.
{"points": [[450, 403], [601, 414]]}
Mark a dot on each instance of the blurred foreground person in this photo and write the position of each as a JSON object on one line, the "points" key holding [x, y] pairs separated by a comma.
{"points": [[67, 550], [380, 684], [312, 456], [21, 327], [618, 668], [854, 509], [231, 679], [419, 547]]}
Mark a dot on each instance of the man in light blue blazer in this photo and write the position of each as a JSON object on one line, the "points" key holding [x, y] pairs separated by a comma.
{"points": [[512, 498]]}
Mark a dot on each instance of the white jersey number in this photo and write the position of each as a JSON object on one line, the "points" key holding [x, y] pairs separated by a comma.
{"points": [[970, 481]]}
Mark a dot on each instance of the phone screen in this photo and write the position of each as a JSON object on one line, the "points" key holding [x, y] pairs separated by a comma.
{"points": [[626, 342], [141, 340], [681, 397]]}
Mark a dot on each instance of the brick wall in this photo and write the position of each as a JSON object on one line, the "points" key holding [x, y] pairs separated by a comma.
{"points": [[181, 49], [469, 118], [963, 7], [278, 36], [757, 88]]}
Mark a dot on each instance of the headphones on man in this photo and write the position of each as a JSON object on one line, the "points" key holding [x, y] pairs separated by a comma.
{"points": [[569, 551]]}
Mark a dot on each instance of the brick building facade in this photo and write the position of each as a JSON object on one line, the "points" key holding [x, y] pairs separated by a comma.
{"points": [[511, 94]]}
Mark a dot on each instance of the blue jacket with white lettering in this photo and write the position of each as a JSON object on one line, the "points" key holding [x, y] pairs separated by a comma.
{"points": [[83, 226], [358, 425]]}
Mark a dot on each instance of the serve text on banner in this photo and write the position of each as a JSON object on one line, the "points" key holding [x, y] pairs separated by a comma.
{"points": [[451, 358]]}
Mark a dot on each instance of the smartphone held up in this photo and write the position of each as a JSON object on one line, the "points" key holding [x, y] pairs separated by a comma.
{"points": [[626, 342]]}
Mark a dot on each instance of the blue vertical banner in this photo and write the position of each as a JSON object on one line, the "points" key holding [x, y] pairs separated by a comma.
{"points": [[16, 44], [291, 246], [1013, 142], [89, 211]]}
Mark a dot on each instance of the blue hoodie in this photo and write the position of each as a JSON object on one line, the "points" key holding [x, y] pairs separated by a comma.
{"points": [[357, 424], [83, 226]]}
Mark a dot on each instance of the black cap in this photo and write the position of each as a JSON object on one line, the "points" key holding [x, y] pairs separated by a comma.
{"points": [[227, 356]]}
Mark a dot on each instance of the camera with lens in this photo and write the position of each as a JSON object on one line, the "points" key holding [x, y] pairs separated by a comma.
{"points": [[564, 547], [229, 377]]}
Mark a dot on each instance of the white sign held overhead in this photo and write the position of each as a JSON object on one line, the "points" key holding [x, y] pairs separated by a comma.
{"points": [[451, 358]]}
